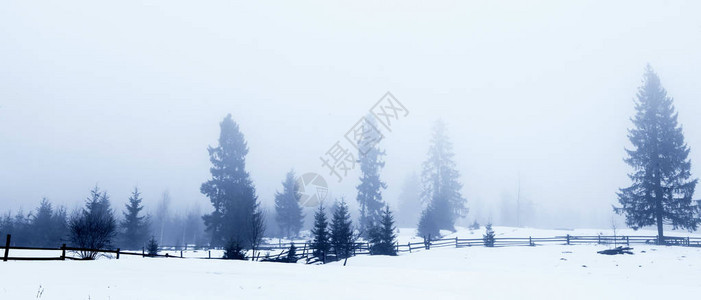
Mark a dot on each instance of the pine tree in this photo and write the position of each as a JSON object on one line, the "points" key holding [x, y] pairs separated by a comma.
{"points": [[135, 227], [22, 229], [342, 238], [94, 226], [488, 237], [59, 224], [230, 190], [152, 247], [287, 207], [371, 186], [320, 243], [47, 226], [7, 226], [662, 187], [382, 237], [441, 188], [233, 250], [428, 227], [292, 254]]}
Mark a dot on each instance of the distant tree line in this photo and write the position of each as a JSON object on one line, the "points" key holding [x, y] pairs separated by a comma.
{"points": [[96, 225], [237, 222]]}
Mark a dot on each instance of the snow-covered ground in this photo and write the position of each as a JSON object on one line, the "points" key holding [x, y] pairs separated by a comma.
{"points": [[543, 272]]}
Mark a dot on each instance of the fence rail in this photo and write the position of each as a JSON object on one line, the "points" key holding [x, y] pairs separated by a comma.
{"points": [[361, 248]]}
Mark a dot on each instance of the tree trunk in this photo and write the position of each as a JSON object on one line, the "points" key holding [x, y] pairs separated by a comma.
{"points": [[660, 233], [659, 214]]}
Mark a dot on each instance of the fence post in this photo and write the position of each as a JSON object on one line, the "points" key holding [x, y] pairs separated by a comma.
{"points": [[627, 241], [63, 252], [530, 241], [181, 253], [409, 245], [7, 247], [456, 242], [210, 253], [117, 253], [568, 239], [599, 240], [397, 247], [143, 252]]}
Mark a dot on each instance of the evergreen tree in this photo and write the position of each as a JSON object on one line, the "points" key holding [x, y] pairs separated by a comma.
{"points": [[488, 237], [233, 250], [342, 238], [382, 237], [662, 187], [428, 227], [292, 253], [289, 215], [135, 227], [152, 247], [59, 224], [230, 190], [7, 224], [47, 227], [320, 233], [94, 226], [441, 188], [22, 229], [370, 187]]}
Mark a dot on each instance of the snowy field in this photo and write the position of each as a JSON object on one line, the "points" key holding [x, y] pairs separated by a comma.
{"points": [[541, 272]]}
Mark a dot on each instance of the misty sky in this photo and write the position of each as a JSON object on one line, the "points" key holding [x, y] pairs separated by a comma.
{"points": [[132, 92]]}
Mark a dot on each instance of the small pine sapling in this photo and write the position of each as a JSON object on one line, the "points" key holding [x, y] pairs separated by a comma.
{"points": [[292, 254], [152, 247], [488, 237], [233, 250]]}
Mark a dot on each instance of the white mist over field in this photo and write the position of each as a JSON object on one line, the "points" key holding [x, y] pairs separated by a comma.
{"points": [[536, 95]]}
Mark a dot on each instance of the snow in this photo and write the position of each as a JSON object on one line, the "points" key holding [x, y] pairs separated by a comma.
{"points": [[548, 271]]}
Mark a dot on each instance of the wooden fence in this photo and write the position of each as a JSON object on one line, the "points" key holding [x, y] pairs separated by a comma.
{"points": [[304, 250]]}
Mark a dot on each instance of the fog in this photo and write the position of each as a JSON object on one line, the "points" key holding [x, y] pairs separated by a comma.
{"points": [[536, 96]]}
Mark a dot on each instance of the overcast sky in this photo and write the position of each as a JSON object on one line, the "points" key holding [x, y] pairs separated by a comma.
{"points": [[131, 93]]}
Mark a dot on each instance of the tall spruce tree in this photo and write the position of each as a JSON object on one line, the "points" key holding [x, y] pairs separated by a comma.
{"points": [[288, 211], [371, 186], [662, 187], [441, 185], [320, 235], [382, 237], [230, 189], [135, 226], [342, 238]]}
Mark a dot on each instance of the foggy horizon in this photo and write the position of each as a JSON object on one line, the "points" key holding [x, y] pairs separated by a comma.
{"points": [[537, 95]]}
